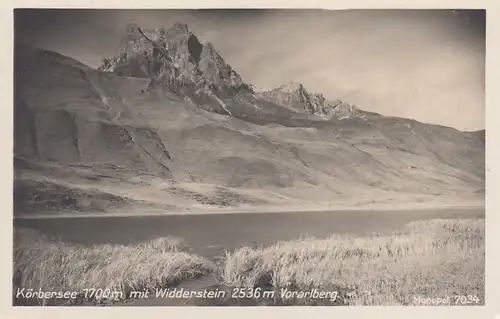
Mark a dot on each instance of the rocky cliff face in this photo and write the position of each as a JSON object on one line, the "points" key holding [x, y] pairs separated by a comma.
{"points": [[173, 58]]}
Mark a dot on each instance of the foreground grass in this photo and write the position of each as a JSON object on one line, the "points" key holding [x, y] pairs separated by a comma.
{"points": [[436, 258], [49, 265]]}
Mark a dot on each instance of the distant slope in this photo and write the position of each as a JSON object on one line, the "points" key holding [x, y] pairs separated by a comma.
{"points": [[82, 132]]}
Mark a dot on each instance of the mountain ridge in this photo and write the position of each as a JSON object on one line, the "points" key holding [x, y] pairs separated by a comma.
{"points": [[79, 131], [294, 93]]}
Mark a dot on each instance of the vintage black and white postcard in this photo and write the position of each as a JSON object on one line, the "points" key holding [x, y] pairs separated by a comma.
{"points": [[249, 157]]}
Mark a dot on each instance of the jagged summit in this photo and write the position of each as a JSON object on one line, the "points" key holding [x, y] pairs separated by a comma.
{"points": [[172, 58], [294, 95]]}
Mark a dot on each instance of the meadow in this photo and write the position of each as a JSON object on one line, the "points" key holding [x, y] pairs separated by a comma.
{"points": [[42, 263], [427, 259]]}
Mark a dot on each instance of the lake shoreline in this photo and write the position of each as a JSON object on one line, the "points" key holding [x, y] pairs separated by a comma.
{"points": [[256, 210]]}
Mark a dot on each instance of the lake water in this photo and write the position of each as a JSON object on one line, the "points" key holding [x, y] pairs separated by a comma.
{"points": [[210, 235]]}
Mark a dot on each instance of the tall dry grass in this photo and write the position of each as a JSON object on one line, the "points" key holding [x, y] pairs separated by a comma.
{"points": [[40, 263], [436, 258]]}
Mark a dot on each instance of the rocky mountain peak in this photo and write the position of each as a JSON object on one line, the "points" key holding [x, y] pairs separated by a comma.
{"points": [[173, 58], [176, 59], [296, 96]]}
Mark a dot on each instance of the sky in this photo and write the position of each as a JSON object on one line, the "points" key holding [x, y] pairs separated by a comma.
{"points": [[428, 65]]}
